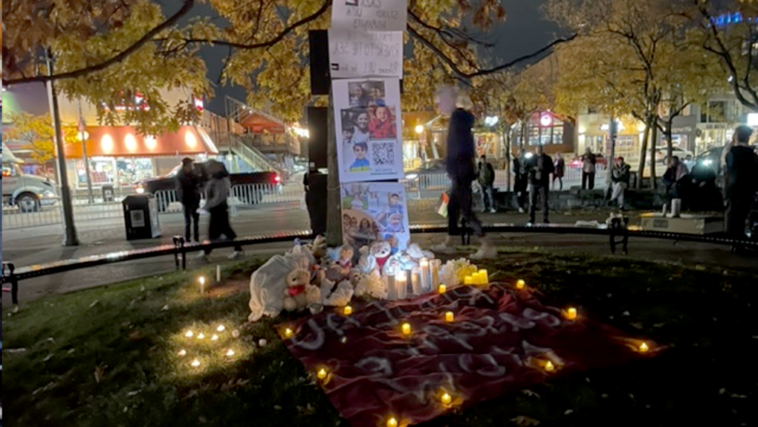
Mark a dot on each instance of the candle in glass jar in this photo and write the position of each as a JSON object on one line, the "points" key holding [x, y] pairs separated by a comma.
{"points": [[435, 273], [417, 282], [425, 274], [401, 283], [202, 284], [391, 289]]}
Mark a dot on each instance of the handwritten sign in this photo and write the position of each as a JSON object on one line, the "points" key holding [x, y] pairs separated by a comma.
{"points": [[370, 15], [365, 54]]}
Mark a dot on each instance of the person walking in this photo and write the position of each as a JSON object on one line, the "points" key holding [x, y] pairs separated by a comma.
{"points": [[540, 168], [741, 182], [521, 179], [487, 181], [188, 183], [217, 192], [559, 165], [461, 168], [589, 161], [620, 175]]}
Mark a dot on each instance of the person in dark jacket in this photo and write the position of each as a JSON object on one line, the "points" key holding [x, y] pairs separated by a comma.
{"points": [[461, 168], [217, 191], [521, 183], [540, 168], [188, 183], [741, 182], [620, 175], [487, 181], [559, 165]]}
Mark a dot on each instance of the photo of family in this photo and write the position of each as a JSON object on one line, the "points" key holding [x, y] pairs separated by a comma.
{"points": [[368, 121], [375, 212]]}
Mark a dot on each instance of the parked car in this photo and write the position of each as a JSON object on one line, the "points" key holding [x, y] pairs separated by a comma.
{"points": [[261, 183], [600, 159], [27, 192]]}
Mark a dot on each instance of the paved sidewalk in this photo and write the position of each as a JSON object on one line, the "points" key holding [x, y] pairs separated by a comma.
{"points": [[31, 249]]}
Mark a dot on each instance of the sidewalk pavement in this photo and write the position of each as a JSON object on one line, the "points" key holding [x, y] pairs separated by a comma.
{"points": [[27, 248]]}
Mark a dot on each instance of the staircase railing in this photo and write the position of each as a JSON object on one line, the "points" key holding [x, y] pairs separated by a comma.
{"points": [[250, 155]]}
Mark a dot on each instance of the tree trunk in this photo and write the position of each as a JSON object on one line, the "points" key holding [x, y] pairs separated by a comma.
{"points": [[507, 141], [612, 152], [333, 219], [668, 131], [643, 154], [653, 143]]}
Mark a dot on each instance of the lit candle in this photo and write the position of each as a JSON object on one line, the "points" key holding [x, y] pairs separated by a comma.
{"points": [[442, 289], [406, 328], [436, 265], [449, 316], [221, 328], [182, 353], [644, 347], [230, 353], [468, 280], [348, 310], [200, 336], [418, 284], [549, 366], [401, 283], [195, 363], [218, 273], [446, 399], [202, 284], [571, 313], [391, 289], [321, 374], [189, 334], [392, 422], [520, 284], [485, 277], [425, 276], [214, 337]]}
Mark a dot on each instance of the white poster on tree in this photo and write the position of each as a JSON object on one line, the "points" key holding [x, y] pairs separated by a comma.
{"points": [[368, 128], [375, 211], [370, 15], [360, 54]]}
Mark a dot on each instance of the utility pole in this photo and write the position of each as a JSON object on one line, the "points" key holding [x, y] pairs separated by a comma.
{"points": [[612, 130], [83, 137], [67, 210]]}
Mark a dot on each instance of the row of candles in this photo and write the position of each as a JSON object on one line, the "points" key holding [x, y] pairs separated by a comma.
{"points": [[422, 279], [201, 336]]}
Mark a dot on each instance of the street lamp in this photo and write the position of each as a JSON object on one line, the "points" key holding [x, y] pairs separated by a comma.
{"points": [[419, 129], [83, 137], [491, 121]]}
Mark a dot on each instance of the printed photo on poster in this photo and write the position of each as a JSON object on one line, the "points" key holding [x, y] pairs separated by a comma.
{"points": [[375, 212], [368, 128]]}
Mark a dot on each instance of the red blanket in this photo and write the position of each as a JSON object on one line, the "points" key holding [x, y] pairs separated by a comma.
{"points": [[500, 341]]}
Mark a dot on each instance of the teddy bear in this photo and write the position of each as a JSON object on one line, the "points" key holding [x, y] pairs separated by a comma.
{"points": [[416, 253], [367, 263], [339, 269], [381, 251], [295, 293]]}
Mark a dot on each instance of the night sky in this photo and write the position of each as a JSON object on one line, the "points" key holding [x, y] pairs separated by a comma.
{"points": [[525, 31]]}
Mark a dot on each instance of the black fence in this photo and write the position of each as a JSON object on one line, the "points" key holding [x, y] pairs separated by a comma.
{"points": [[618, 233]]}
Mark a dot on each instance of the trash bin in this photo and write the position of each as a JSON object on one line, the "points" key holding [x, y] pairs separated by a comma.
{"points": [[108, 195], [141, 217]]}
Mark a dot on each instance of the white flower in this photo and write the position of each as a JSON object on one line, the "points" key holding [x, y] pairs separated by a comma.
{"points": [[371, 285]]}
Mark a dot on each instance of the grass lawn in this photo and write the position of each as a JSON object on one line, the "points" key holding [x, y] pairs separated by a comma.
{"points": [[109, 356]]}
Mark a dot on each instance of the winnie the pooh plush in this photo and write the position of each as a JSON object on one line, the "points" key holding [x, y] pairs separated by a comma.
{"points": [[295, 295]]}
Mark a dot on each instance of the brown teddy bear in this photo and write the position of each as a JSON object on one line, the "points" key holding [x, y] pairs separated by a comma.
{"points": [[295, 295]]}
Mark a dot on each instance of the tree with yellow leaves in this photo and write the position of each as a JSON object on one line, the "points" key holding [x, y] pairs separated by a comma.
{"points": [[37, 134]]}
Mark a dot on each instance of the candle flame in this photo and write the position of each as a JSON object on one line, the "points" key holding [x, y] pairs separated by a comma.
{"points": [[200, 336], [549, 366], [182, 353], [287, 333], [230, 353], [221, 328], [571, 313], [449, 316], [195, 363], [442, 289], [392, 422], [201, 280], [520, 284], [644, 347], [348, 310], [321, 374], [214, 337], [189, 334], [446, 399], [407, 328]]}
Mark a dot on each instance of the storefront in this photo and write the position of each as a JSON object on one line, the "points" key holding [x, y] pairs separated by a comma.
{"points": [[544, 128], [119, 156]]}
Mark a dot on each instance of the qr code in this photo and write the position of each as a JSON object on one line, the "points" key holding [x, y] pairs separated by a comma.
{"points": [[383, 153]]}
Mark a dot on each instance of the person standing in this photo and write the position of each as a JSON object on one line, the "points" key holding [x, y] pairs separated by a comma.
{"points": [[188, 184], [741, 182], [487, 181], [589, 161], [620, 175], [217, 193], [674, 179], [540, 168], [521, 179], [559, 165], [461, 168]]}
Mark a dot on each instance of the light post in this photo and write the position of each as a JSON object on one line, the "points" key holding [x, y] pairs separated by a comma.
{"points": [[83, 136]]}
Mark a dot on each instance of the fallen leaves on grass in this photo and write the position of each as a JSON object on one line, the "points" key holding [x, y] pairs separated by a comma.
{"points": [[234, 383], [48, 387], [100, 373], [530, 393], [94, 303], [307, 410], [525, 421], [135, 336]]}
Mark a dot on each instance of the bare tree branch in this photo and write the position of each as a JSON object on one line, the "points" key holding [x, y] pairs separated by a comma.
{"points": [[148, 37]]}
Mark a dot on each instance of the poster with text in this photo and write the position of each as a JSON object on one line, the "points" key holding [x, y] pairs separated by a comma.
{"points": [[360, 54], [375, 212], [368, 128], [370, 15]]}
